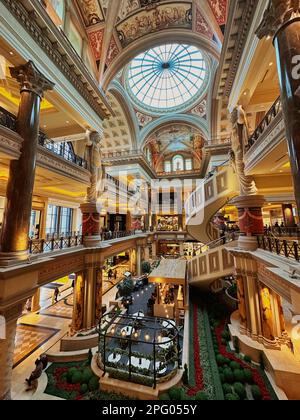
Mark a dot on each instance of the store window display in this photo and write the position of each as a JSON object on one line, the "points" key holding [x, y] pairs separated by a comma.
{"points": [[168, 223]]}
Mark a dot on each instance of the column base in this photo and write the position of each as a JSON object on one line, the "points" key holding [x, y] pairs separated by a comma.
{"points": [[248, 243], [92, 241], [8, 259]]}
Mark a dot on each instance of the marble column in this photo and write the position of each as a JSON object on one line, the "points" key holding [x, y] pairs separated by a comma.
{"points": [[7, 347], [282, 22], [78, 306], [16, 221], [90, 297], [99, 284], [147, 253], [139, 260], [35, 305]]}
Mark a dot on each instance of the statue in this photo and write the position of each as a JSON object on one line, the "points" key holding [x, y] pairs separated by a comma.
{"points": [[93, 157], [240, 136]]}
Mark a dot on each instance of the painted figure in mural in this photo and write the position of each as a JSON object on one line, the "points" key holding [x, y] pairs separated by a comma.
{"points": [[240, 136], [93, 157]]}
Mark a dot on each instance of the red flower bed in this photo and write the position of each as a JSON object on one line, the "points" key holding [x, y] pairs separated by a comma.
{"points": [[62, 384], [256, 375], [197, 361]]}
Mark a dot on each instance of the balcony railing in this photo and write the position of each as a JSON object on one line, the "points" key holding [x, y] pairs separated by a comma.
{"points": [[54, 243], [265, 123], [57, 242], [290, 232], [7, 119], [63, 149], [288, 249]]}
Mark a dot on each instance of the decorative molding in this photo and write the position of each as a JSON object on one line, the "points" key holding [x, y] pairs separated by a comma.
{"points": [[278, 14], [84, 83]]}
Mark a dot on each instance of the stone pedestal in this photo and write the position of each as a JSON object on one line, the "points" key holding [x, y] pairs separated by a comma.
{"points": [[250, 220], [90, 224]]}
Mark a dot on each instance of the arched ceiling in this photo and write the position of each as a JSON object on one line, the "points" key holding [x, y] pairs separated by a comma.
{"points": [[118, 135], [119, 29]]}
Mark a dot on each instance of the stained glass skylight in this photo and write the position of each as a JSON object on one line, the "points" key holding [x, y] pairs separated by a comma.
{"points": [[167, 78]]}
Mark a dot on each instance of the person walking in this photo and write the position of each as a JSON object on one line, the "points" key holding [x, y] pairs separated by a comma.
{"points": [[56, 294]]}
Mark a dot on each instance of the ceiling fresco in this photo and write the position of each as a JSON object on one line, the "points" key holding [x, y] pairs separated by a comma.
{"points": [[135, 19], [165, 16]]}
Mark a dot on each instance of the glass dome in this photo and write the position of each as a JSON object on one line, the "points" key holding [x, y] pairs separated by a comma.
{"points": [[167, 78]]}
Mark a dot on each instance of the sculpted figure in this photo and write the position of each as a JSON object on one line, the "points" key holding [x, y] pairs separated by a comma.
{"points": [[240, 136], [93, 157]]}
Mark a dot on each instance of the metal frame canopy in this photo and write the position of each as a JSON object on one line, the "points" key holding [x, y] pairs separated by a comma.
{"points": [[109, 329], [167, 79]]}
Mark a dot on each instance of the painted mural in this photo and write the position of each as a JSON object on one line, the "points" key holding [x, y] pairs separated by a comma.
{"points": [[91, 12], [202, 26], [219, 7], [128, 7], [200, 109], [113, 51], [143, 119], [96, 42], [160, 17]]}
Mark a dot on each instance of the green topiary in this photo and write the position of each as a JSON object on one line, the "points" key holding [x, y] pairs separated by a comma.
{"points": [[222, 378], [232, 397], [229, 376], [76, 377], [248, 376], [227, 389], [234, 365], [87, 374], [256, 393], [84, 389], [240, 390], [201, 396], [164, 397], [226, 336], [248, 359], [239, 375], [70, 373], [175, 394], [220, 360], [94, 383]]}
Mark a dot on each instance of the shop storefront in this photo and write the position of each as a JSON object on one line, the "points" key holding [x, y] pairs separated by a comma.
{"points": [[168, 223]]}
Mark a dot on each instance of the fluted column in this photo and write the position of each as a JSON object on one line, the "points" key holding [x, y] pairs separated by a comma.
{"points": [[282, 22], [78, 306], [16, 221]]}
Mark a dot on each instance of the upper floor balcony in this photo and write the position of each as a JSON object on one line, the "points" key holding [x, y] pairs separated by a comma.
{"points": [[268, 137]]}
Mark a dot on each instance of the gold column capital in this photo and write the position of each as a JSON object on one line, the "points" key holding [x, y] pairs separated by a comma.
{"points": [[278, 13], [31, 79]]}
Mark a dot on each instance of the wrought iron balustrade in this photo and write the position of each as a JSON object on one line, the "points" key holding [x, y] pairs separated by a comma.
{"points": [[8, 119], [62, 149], [288, 249], [54, 243]]}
